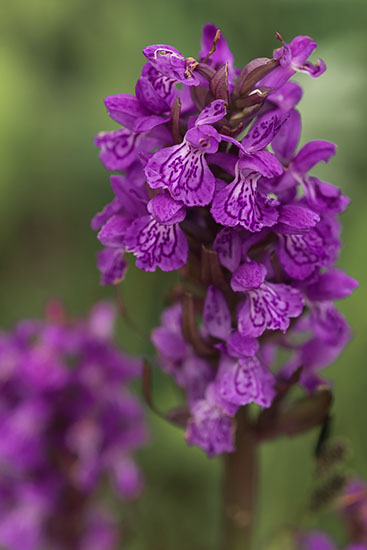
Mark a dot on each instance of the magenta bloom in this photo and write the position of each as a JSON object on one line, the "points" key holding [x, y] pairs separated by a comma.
{"points": [[215, 185], [68, 420]]}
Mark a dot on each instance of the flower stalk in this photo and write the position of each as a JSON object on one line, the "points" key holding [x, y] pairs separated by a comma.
{"points": [[214, 185], [240, 487]]}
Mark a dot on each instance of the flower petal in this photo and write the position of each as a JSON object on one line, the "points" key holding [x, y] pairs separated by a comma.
{"points": [[113, 232], [222, 53], [245, 381], [149, 97], [171, 63], [239, 203], [295, 220], [241, 346], [263, 162], [166, 210], [332, 285], [300, 255], [227, 244], [312, 153], [323, 196], [124, 109], [212, 113], [286, 140], [112, 265], [262, 132], [211, 428], [248, 276], [286, 97], [156, 245], [216, 314], [170, 345], [269, 307], [184, 171]]}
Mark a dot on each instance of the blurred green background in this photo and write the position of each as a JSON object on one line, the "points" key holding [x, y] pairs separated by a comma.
{"points": [[58, 60]]}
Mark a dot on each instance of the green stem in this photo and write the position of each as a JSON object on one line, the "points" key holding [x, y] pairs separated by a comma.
{"points": [[240, 487]]}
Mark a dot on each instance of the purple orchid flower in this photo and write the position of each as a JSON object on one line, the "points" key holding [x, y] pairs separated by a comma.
{"points": [[210, 426], [254, 234], [56, 449], [267, 305], [240, 202], [182, 168], [172, 64], [178, 357], [292, 59]]}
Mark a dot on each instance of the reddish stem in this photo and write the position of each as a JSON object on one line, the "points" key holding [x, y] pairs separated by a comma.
{"points": [[240, 487]]}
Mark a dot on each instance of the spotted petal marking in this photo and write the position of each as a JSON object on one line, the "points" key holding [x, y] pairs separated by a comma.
{"points": [[162, 84], [300, 255], [156, 245], [118, 148], [269, 307], [212, 113], [239, 203], [245, 381], [210, 428], [262, 132], [184, 171]]}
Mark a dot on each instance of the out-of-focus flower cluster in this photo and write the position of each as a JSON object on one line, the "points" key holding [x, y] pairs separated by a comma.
{"points": [[353, 509], [67, 421], [254, 234]]}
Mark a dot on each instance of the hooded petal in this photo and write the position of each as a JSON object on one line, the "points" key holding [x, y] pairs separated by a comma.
{"points": [[286, 140], [149, 97], [262, 132], [248, 276], [124, 109], [166, 210], [311, 154], [332, 285], [300, 255], [263, 162], [212, 113], [227, 244], [301, 48], [111, 264], [171, 63], [293, 58], [216, 315], [241, 346], [113, 232], [295, 219], [323, 196]]}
